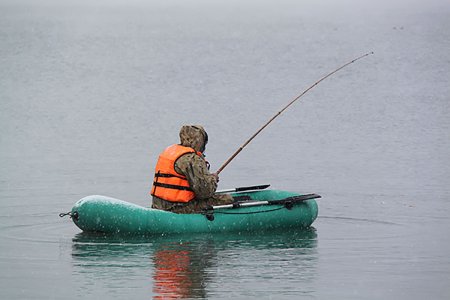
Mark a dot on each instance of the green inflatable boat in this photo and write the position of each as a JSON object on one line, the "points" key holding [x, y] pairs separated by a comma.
{"points": [[256, 211]]}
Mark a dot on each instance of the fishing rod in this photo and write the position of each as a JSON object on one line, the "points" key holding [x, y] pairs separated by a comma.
{"points": [[281, 111]]}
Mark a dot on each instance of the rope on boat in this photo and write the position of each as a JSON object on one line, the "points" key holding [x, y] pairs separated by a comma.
{"points": [[71, 215], [248, 213], [62, 215], [209, 214]]}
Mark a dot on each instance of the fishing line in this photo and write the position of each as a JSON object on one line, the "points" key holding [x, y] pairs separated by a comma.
{"points": [[289, 104]]}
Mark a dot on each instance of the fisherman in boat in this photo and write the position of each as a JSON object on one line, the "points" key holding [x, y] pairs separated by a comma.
{"points": [[182, 182]]}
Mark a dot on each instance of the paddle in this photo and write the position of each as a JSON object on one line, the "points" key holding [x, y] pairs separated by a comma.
{"points": [[244, 188], [289, 201]]}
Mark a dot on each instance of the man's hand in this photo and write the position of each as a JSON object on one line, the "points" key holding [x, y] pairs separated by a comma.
{"points": [[216, 176]]}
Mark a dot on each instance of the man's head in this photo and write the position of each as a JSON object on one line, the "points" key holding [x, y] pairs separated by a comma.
{"points": [[194, 136]]}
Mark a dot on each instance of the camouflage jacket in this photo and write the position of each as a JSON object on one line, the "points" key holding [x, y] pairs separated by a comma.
{"points": [[195, 168]]}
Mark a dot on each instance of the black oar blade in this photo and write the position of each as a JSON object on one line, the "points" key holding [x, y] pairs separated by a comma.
{"points": [[244, 188], [299, 198], [251, 188]]}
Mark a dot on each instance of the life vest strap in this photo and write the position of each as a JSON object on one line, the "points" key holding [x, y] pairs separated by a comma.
{"points": [[168, 175], [171, 186]]}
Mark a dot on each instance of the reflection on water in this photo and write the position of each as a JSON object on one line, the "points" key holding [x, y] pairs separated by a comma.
{"points": [[192, 266], [182, 270]]}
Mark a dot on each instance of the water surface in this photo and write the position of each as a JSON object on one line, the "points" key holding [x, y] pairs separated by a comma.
{"points": [[90, 93]]}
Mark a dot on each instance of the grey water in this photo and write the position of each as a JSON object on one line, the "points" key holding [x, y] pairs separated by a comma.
{"points": [[92, 91]]}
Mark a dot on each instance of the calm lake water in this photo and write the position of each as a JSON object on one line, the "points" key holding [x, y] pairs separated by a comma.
{"points": [[92, 91]]}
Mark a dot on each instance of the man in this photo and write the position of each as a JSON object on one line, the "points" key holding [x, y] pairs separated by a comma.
{"points": [[183, 183]]}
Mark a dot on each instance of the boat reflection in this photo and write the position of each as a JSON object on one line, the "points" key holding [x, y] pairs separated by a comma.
{"points": [[183, 266]]}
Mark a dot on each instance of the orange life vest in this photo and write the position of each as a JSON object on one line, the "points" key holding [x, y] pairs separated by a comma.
{"points": [[168, 184]]}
